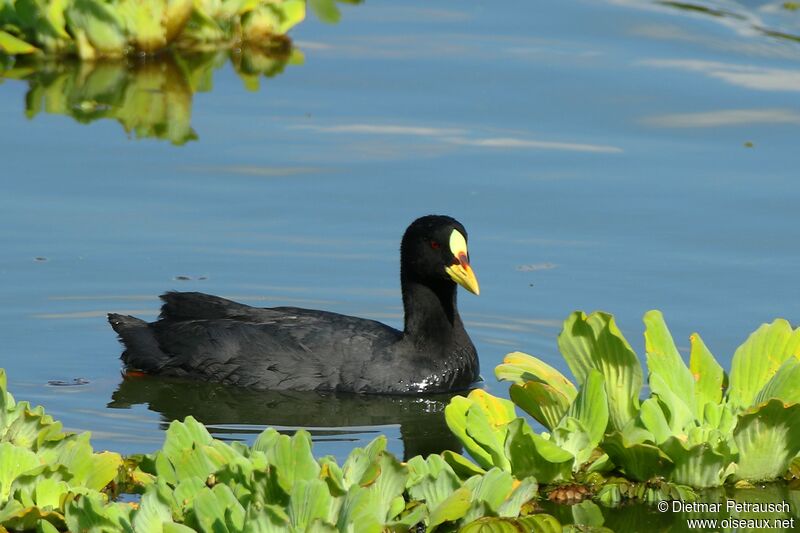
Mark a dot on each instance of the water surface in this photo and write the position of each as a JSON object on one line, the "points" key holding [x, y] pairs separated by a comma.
{"points": [[620, 155]]}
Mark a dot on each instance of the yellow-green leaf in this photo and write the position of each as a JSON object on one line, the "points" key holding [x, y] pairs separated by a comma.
{"points": [[664, 360], [768, 438], [521, 368], [12, 45], [759, 358], [595, 341], [708, 375]]}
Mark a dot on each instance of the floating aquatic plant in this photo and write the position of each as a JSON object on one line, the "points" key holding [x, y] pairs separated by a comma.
{"points": [[150, 98], [278, 485], [43, 470], [53, 481], [94, 29], [699, 427]]}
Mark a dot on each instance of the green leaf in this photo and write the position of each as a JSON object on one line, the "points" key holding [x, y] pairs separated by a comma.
{"points": [[267, 519], [486, 425], [216, 510], [596, 342], [572, 437], [540, 523], [16, 517], [492, 488], [89, 469], [43, 526], [361, 466], [98, 29], [187, 489], [294, 12], [331, 473], [544, 403], [521, 368], [143, 23], [679, 414], [590, 410], [36, 495], [49, 491], [784, 385], [266, 440], [31, 426], [522, 494], [321, 527], [12, 46], [104, 468], [7, 404], [375, 481], [532, 455], [490, 524], [431, 480], [310, 500], [719, 416], [291, 457], [759, 358], [588, 513], [499, 411], [14, 461], [538, 388], [389, 485], [709, 377], [664, 361], [639, 459], [154, 509], [358, 511], [463, 467], [43, 21], [411, 517], [654, 420], [768, 438], [264, 21], [171, 527], [190, 451], [700, 466], [325, 10], [176, 15], [451, 509], [463, 422], [89, 513]]}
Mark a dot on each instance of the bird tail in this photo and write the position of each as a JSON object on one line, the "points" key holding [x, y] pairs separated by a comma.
{"points": [[142, 351]]}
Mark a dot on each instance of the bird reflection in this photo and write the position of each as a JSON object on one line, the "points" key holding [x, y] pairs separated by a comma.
{"points": [[421, 418]]}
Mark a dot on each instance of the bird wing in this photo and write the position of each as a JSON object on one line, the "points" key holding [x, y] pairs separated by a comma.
{"points": [[197, 305], [278, 348]]}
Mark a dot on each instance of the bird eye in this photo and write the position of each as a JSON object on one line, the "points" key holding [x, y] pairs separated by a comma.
{"points": [[435, 245]]}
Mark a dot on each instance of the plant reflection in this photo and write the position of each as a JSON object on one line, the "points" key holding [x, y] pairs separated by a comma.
{"points": [[421, 419], [151, 97], [758, 16]]}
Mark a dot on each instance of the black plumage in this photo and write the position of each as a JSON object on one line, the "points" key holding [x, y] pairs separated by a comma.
{"points": [[207, 337]]}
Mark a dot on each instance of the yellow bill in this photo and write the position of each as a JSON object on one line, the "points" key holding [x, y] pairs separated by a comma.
{"points": [[460, 271]]}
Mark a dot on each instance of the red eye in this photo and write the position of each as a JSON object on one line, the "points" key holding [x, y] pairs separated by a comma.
{"points": [[435, 245]]}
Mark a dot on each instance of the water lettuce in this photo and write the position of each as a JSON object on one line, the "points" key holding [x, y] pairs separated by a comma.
{"points": [[94, 29], [53, 481], [698, 427]]}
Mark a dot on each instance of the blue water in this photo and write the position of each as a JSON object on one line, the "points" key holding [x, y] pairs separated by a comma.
{"points": [[595, 151]]}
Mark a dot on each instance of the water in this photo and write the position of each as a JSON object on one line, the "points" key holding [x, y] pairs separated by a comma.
{"points": [[621, 155]]}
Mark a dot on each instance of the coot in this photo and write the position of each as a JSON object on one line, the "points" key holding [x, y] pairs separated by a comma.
{"points": [[288, 348]]}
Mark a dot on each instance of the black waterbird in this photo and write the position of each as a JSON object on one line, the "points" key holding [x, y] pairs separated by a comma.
{"points": [[287, 348]]}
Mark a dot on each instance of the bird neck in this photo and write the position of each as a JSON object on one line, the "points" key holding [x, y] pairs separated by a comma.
{"points": [[430, 312]]}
